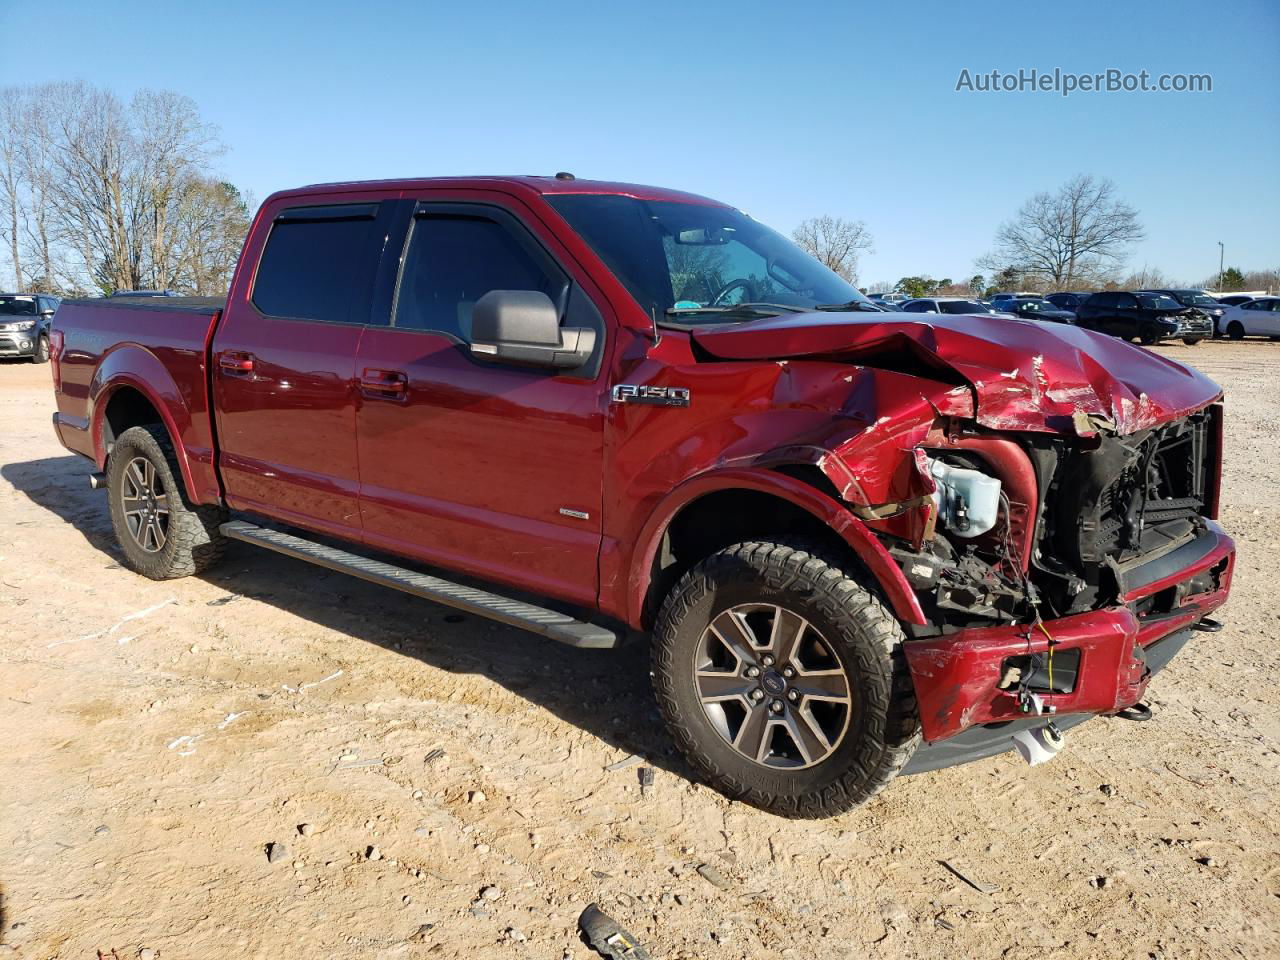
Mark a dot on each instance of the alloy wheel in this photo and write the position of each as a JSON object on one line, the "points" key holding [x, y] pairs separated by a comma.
{"points": [[145, 504], [772, 686]]}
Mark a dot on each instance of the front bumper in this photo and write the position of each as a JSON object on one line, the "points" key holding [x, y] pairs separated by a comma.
{"points": [[957, 677], [19, 344]]}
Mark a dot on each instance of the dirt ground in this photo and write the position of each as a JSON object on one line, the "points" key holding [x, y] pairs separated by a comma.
{"points": [[156, 737]]}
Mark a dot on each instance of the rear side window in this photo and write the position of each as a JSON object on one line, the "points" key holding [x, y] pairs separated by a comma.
{"points": [[454, 260], [318, 264]]}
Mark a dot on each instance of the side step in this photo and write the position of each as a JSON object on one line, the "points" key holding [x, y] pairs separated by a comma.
{"points": [[548, 623]]}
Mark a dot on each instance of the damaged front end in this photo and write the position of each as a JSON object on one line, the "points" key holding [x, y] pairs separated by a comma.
{"points": [[1047, 565], [1050, 499]]}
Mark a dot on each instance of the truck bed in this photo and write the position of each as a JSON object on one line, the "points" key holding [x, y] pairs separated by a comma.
{"points": [[161, 343]]}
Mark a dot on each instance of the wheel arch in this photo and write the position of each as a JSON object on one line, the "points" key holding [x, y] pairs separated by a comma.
{"points": [[715, 509], [121, 399]]}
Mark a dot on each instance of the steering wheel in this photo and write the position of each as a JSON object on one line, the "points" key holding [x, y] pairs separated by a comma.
{"points": [[728, 288]]}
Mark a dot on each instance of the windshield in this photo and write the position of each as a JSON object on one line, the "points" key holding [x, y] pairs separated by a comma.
{"points": [[17, 307], [1194, 298], [682, 258], [1158, 301], [961, 306], [1035, 306]]}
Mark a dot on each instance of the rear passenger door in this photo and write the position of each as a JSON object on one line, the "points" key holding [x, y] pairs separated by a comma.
{"points": [[487, 468], [284, 360]]}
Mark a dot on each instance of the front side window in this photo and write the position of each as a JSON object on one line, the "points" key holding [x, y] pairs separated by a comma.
{"points": [[318, 263], [676, 257], [453, 261]]}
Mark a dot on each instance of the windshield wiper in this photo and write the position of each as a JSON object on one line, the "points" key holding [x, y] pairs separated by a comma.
{"points": [[864, 306], [746, 309]]}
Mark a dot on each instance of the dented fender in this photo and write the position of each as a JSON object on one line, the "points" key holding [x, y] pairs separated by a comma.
{"points": [[860, 539]]}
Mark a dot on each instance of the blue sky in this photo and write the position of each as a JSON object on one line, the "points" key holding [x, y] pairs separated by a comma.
{"points": [[785, 110]]}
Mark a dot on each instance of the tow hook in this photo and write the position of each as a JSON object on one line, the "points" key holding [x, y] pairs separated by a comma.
{"points": [[1208, 625], [1038, 744]]}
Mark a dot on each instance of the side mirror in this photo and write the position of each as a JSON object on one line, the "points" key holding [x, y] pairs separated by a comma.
{"points": [[46, 313], [522, 326]]}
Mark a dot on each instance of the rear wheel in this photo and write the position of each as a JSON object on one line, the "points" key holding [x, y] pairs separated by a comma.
{"points": [[783, 682], [163, 535], [1235, 330]]}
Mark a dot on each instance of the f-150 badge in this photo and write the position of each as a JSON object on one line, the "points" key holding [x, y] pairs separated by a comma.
{"points": [[657, 396]]}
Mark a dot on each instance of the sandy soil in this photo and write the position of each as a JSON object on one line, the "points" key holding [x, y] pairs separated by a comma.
{"points": [[157, 736]]}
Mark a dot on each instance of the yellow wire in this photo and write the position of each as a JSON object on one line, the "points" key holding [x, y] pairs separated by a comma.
{"points": [[1045, 631]]}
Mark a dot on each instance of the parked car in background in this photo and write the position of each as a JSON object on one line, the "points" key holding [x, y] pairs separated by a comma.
{"points": [[840, 531], [1037, 308], [999, 298], [1235, 299], [948, 305], [1068, 301], [24, 325], [145, 293], [1149, 317], [888, 306], [1201, 301], [1254, 318]]}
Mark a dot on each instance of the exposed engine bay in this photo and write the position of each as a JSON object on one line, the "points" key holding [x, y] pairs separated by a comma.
{"points": [[1050, 526]]}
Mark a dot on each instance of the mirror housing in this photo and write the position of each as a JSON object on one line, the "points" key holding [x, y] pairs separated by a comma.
{"points": [[523, 326]]}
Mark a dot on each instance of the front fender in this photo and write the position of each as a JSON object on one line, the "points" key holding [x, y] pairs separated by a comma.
{"points": [[181, 410], [860, 539]]}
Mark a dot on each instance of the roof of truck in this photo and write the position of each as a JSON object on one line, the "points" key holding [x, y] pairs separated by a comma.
{"points": [[549, 184]]}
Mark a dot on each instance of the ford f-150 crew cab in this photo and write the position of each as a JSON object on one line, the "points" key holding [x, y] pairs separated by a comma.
{"points": [[860, 543]]}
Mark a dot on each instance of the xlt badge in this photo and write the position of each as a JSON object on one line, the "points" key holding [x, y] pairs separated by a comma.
{"points": [[658, 396]]}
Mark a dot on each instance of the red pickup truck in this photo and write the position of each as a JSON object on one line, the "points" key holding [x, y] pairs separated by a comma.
{"points": [[861, 543]]}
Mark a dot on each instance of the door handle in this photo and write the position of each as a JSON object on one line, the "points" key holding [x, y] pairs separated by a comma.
{"points": [[235, 362], [384, 383]]}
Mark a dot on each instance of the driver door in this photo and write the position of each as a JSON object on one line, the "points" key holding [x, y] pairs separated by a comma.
{"points": [[487, 468]]}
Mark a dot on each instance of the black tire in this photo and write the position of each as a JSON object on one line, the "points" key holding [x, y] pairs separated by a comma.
{"points": [[881, 731], [191, 539], [1148, 337], [42, 351], [1235, 330], [1191, 341]]}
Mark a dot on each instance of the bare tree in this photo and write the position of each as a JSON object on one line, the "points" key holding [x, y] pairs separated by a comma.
{"points": [[1076, 236], [95, 192], [12, 138], [834, 242]]}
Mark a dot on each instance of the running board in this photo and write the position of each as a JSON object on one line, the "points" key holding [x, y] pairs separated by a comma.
{"points": [[548, 623]]}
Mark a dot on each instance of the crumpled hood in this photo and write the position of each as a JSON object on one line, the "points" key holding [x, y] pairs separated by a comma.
{"points": [[1024, 375]]}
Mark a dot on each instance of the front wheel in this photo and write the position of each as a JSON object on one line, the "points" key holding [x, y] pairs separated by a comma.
{"points": [[1235, 330], [783, 682], [1191, 341], [42, 351], [162, 534]]}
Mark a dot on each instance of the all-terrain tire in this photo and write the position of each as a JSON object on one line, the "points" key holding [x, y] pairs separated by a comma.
{"points": [[193, 542], [883, 729]]}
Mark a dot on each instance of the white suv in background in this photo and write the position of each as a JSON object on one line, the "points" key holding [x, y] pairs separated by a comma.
{"points": [[951, 305], [1257, 318]]}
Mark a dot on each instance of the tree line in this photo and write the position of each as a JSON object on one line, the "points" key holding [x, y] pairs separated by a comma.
{"points": [[98, 194], [1078, 237]]}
